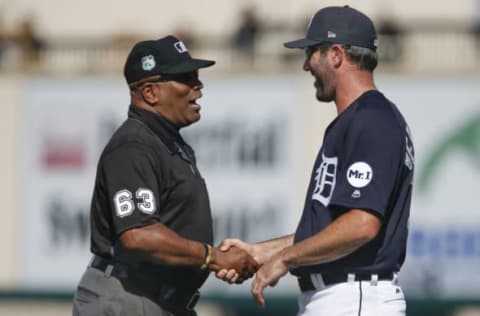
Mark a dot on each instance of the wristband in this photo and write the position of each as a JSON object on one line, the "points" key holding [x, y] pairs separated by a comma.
{"points": [[208, 256]]}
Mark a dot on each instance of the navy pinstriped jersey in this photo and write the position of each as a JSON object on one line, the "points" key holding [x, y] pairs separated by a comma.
{"points": [[366, 162]]}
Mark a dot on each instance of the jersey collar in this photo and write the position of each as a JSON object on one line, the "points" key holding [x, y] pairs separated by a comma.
{"points": [[166, 131]]}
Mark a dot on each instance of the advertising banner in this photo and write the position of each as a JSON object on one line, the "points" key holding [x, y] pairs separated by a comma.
{"points": [[251, 146], [247, 146], [443, 258]]}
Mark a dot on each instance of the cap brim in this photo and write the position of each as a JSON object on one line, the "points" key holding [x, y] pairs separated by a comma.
{"points": [[301, 43], [188, 66]]}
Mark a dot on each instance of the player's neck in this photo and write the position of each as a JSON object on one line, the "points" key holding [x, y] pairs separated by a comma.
{"points": [[351, 87]]}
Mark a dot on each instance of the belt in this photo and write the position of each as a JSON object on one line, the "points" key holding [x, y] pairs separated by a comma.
{"points": [[307, 283], [167, 296], [109, 267]]}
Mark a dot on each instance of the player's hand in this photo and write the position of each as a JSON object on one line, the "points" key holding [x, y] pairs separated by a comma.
{"points": [[251, 249], [239, 265], [268, 275]]}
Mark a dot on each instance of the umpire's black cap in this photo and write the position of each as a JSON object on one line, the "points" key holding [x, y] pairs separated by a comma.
{"points": [[166, 55], [342, 25]]}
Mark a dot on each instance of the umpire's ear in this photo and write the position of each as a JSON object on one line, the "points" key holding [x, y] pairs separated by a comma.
{"points": [[150, 93]]}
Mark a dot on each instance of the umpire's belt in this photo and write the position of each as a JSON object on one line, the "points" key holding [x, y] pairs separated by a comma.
{"points": [[317, 281], [167, 296]]}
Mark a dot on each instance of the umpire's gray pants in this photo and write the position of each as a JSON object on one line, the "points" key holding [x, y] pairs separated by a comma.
{"points": [[99, 294]]}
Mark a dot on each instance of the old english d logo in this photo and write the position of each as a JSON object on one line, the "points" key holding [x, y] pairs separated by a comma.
{"points": [[325, 180]]}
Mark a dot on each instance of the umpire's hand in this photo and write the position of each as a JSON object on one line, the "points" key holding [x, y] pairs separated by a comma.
{"points": [[235, 262]]}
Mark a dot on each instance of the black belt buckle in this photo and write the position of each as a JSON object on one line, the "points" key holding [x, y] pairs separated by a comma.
{"points": [[193, 301]]}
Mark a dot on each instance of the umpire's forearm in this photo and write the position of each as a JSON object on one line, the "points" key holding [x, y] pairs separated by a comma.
{"points": [[160, 244]]}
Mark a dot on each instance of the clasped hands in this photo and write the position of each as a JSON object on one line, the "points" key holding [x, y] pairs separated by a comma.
{"points": [[270, 267], [235, 261]]}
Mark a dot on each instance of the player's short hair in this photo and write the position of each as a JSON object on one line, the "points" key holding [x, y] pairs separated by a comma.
{"points": [[364, 58]]}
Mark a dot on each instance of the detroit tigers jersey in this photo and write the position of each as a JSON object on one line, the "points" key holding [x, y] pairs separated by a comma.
{"points": [[366, 162]]}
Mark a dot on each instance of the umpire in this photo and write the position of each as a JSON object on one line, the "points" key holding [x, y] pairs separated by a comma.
{"points": [[151, 225]]}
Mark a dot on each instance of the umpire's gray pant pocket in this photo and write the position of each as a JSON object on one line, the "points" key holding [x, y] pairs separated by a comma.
{"points": [[86, 303], [85, 295]]}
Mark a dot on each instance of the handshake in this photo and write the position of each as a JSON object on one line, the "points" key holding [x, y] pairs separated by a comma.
{"points": [[235, 261], [232, 262]]}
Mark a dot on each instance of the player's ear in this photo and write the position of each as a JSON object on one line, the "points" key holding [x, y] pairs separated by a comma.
{"points": [[337, 55]]}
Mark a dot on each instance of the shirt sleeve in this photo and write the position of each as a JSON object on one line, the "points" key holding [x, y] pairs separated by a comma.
{"points": [[132, 187], [369, 162]]}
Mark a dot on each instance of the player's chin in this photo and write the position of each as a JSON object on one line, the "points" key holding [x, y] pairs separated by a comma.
{"points": [[323, 97]]}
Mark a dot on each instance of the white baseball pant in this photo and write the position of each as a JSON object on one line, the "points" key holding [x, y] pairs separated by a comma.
{"points": [[353, 298]]}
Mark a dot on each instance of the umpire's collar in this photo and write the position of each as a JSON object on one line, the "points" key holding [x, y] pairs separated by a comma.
{"points": [[168, 132]]}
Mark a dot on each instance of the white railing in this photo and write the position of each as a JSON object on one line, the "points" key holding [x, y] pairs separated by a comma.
{"points": [[431, 52]]}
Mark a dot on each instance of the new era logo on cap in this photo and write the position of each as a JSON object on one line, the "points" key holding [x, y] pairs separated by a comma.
{"points": [[180, 47], [331, 34]]}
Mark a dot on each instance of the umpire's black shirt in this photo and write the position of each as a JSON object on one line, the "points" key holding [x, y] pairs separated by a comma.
{"points": [[147, 174]]}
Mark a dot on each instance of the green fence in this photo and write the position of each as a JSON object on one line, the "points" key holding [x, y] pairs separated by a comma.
{"points": [[276, 305]]}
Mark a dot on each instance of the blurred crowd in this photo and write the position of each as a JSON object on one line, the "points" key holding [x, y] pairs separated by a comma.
{"points": [[26, 41], [24, 48]]}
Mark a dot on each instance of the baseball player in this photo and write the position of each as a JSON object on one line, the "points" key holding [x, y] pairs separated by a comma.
{"points": [[151, 226], [350, 242]]}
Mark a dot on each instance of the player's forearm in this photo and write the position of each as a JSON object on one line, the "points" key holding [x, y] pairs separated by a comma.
{"points": [[264, 250], [348, 233], [159, 244]]}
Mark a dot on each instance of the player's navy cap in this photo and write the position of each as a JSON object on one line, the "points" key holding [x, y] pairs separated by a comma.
{"points": [[342, 25], [166, 56]]}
